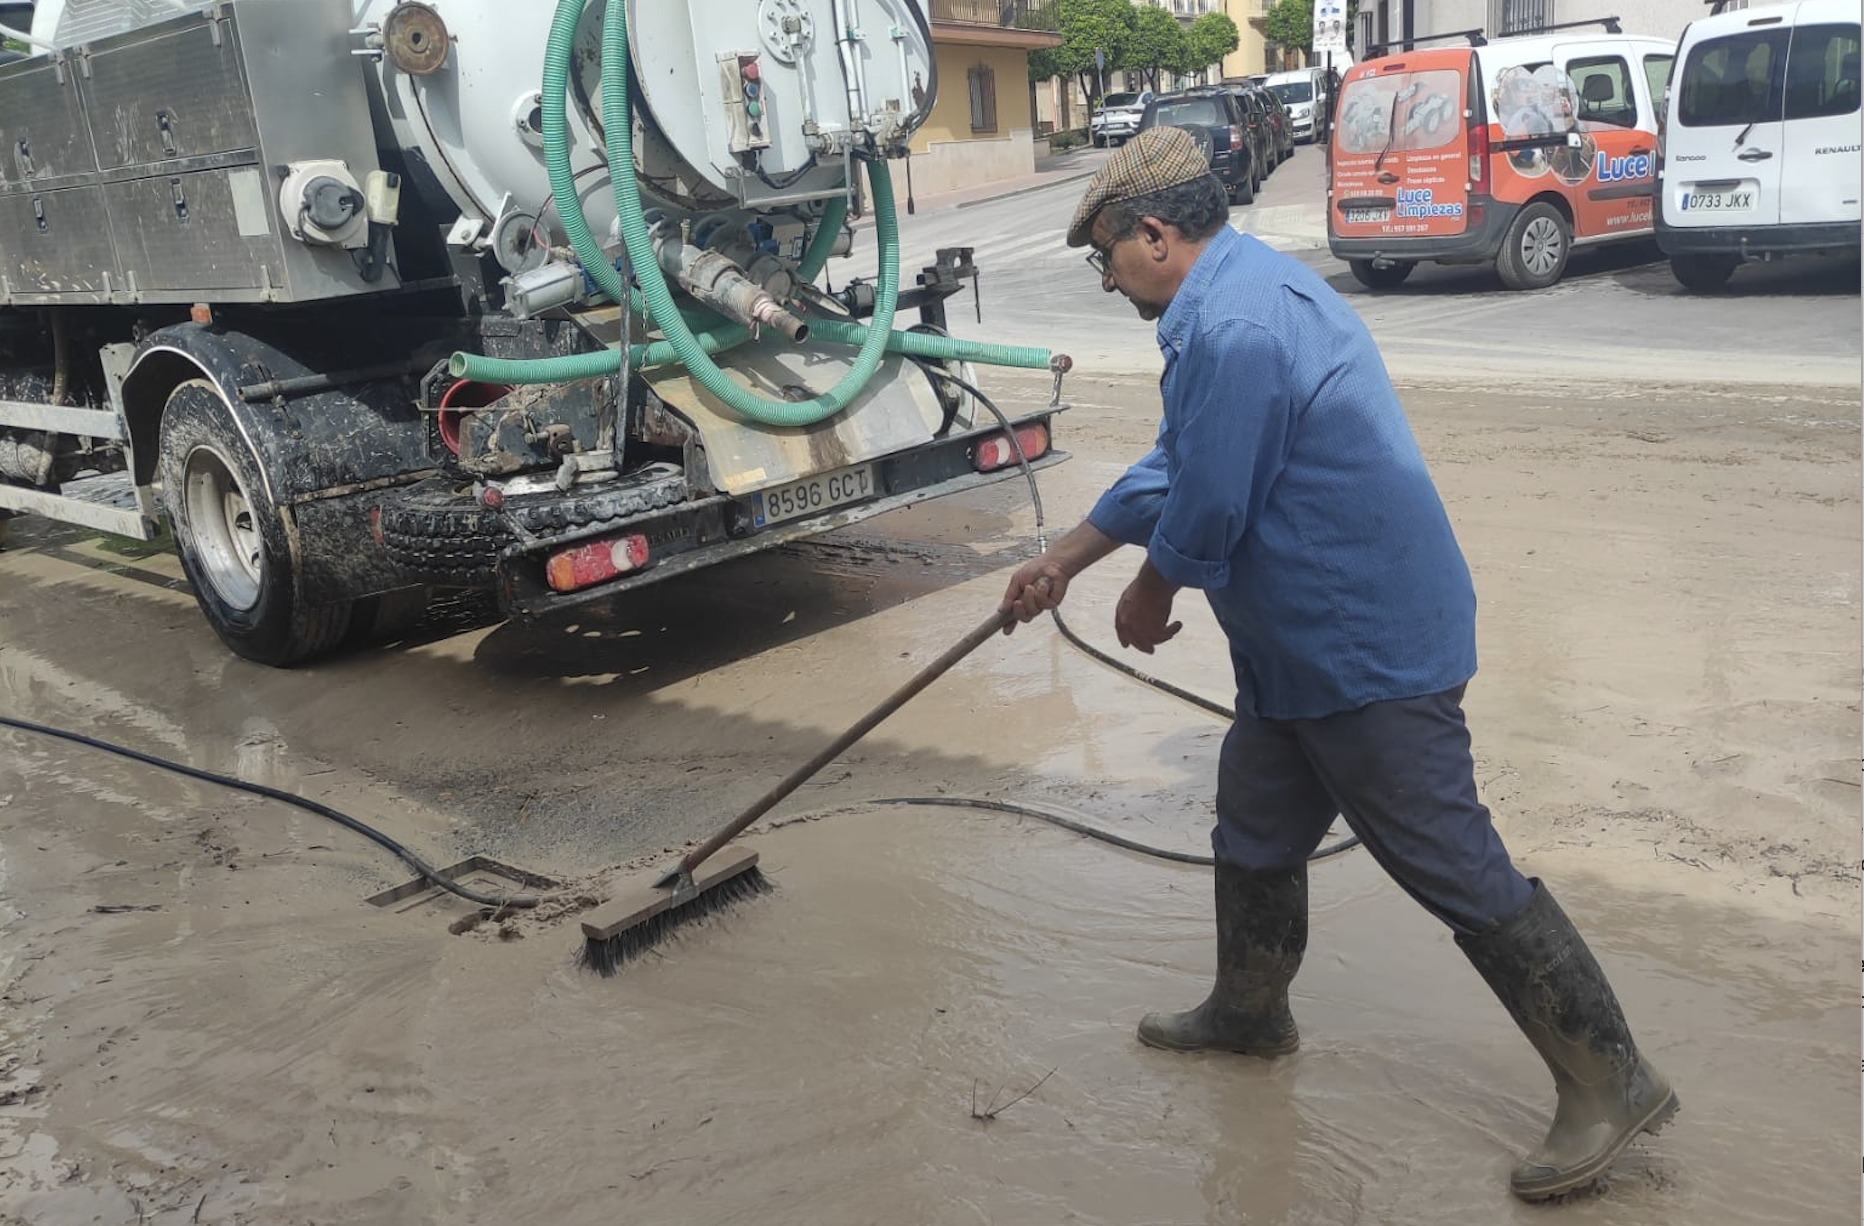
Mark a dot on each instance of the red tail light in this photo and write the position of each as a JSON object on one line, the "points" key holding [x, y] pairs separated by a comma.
{"points": [[1478, 154], [1236, 137], [996, 452], [595, 561]]}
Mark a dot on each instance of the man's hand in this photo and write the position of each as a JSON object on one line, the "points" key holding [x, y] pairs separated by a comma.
{"points": [[1039, 585], [1142, 617]]}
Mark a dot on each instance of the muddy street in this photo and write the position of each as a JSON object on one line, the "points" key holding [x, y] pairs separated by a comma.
{"points": [[931, 1020]]}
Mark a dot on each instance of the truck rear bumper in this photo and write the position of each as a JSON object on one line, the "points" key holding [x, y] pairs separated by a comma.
{"points": [[703, 532], [1745, 241]]}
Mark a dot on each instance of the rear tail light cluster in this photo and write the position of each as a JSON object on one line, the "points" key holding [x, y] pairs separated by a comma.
{"points": [[592, 562], [1478, 153], [996, 451], [1236, 137]]}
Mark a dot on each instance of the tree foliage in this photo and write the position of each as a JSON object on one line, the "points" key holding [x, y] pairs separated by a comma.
{"points": [[1086, 27], [1212, 37], [1290, 24], [1159, 44]]}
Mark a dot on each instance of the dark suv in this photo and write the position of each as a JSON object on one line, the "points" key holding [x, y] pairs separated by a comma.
{"points": [[1220, 126]]}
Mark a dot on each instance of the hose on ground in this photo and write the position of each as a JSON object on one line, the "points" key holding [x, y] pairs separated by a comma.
{"points": [[426, 871]]}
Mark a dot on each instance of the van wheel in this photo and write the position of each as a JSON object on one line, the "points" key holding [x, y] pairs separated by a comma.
{"points": [[1381, 276], [1703, 274], [1534, 253], [233, 543]]}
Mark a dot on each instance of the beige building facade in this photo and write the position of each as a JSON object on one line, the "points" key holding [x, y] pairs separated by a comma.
{"points": [[983, 123]]}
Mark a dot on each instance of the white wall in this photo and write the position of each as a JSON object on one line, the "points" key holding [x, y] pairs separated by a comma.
{"points": [[1659, 18]]}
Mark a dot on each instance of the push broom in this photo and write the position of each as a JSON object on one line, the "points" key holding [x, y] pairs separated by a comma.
{"points": [[711, 877]]}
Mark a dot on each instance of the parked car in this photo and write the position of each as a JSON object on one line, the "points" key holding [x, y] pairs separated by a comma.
{"points": [[1216, 120], [1757, 155], [1304, 93], [1281, 130], [1255, 129], [1506, 153], [1117, 117]]}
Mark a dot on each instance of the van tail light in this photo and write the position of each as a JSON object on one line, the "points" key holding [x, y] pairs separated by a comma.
{"points": [[1236, 137], [996, 451], [1478, 155], [596, 561]]}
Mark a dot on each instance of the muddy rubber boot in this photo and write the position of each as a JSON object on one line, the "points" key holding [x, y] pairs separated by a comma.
{"points": [[1261, 935], [1540, 968]]}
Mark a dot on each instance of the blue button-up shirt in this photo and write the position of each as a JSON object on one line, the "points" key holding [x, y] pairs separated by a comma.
{"points": [[1286, 484]]}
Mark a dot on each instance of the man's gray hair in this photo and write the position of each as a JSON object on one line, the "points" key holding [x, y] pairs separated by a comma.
{"points": [[1197, 209]]}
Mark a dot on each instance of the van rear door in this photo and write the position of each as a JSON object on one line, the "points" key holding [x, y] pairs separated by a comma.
{"points": [[1819, 179], [1400, 165], [1722, 154]]}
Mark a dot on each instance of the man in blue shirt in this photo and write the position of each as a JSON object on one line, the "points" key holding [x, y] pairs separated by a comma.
{"points": [[1287, 487]]}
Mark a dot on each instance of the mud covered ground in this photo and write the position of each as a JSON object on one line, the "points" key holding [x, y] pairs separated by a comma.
{"points": [[205, 1021]]}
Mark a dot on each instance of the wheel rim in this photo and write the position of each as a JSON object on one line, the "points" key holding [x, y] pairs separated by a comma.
{"points": [[1541, 245], [224, 530]]}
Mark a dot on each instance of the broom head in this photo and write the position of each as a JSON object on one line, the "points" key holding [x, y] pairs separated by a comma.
{"points": [[643, 913]]}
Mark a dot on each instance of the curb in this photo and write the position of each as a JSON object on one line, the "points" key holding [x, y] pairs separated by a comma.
{"points": [[1024, 191]]}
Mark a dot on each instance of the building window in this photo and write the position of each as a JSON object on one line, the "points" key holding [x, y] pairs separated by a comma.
{"points": [[1519, 16], [983, 80]]}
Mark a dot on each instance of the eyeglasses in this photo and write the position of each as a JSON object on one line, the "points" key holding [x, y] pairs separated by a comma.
{"points": [[1100, 261]]}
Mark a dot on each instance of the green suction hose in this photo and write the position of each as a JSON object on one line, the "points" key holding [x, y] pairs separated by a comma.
{"points": [[682, 344]]}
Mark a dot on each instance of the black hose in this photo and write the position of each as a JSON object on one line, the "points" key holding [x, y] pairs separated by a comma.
{"points": [[1197, 700], [1057, 817], [426, 871]]}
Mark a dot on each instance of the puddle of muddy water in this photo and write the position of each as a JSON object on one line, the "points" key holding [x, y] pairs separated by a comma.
{"points": [[822, 1054]]}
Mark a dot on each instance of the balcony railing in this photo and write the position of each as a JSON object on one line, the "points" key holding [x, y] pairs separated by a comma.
{"points": [[1004, 14]]}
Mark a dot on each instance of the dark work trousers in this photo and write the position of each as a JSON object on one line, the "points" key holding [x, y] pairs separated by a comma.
{"points": [[1401, 775]]}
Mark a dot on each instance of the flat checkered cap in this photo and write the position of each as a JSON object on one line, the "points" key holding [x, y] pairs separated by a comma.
{"points": [[1152, 161]]}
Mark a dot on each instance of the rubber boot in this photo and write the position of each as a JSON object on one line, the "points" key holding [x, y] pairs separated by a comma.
{"points": [[1261, 935], [1539, 966]]}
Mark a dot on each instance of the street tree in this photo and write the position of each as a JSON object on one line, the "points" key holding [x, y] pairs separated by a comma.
{"points": [[1290, 25], [1212, 37], [1159, 44], [1088, 27]]}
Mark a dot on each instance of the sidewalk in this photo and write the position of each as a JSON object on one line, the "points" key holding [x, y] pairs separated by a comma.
{"points": [[1075, 164]]}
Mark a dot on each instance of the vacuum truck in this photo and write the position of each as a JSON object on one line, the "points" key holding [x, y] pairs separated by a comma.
{"points": [[366, 298]]}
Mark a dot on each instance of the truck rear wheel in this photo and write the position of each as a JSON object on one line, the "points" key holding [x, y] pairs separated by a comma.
{"points": [[1703, 274], [233, 544], [1534, 254]]}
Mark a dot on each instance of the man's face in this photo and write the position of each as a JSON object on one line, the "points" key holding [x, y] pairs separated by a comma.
{"points": [[1134, 264]]}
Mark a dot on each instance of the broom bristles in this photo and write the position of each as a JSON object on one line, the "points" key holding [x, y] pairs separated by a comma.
{"points": [[607, 955]]}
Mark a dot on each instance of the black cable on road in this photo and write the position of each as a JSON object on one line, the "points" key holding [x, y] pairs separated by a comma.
{"points": [[426, 871]]}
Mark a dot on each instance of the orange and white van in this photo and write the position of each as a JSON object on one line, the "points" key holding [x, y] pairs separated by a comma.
{"points": [[1510, 153]]}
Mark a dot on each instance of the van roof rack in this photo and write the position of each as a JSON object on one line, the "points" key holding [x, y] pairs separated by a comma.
{"points": [[1610, 24], [1373, 50]]}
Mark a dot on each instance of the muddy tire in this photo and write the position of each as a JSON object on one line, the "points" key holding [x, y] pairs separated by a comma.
{"points": [[1245, 191], [233, 543], [1534, 254], [1381, 276], [1702, 274]]}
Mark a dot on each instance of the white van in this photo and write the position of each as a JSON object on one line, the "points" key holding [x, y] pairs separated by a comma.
{"points": [[1303, 95], [1759, 149]]}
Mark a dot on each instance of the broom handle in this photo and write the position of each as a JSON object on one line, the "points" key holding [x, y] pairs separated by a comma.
{"points": [[894, 701]]}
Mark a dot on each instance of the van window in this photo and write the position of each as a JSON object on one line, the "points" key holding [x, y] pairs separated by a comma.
{"points": [[1428, 108], [1734, 80], [1657, 73], [1291, 92], [1603, 86], [1822, 71]]}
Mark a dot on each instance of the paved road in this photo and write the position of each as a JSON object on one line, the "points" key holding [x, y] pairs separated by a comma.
{"points": [[1618, 315]]}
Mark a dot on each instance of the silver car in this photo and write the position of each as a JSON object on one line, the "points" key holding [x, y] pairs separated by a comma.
{"points": [[1117, 116]]}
